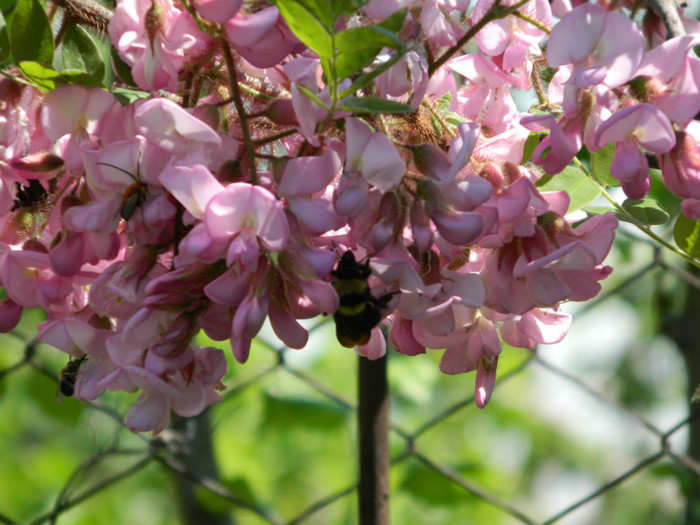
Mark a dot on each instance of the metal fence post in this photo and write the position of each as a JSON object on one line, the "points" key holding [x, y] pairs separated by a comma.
{"points": [[373, 433]]}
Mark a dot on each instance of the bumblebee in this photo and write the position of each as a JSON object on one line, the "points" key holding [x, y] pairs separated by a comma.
{"points": [[359, 310], [68, 376], [134, 195]]}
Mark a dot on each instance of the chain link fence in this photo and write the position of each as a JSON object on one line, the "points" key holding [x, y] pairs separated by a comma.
{"points": [[584, 433]]}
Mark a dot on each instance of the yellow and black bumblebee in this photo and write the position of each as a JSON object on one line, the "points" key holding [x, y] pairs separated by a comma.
{"points": [[134, 195], [359, 310], [68, 376]]}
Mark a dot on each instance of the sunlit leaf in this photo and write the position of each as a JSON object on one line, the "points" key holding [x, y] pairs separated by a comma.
{"points": [[686, 233], [647, 211], [600, 165], [46, 79], [30, 33], [356, 47], [309, 23], [582, 191]]}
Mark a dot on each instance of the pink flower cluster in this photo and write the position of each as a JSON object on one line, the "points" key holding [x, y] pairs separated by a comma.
{"points": [[162, 221]]}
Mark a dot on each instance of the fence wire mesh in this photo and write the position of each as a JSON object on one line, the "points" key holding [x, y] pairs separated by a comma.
{"points": [[599, 429]]}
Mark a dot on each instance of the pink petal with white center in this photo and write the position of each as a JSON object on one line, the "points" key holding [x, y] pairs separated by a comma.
{"points": [[192, 186], [171, 126], [545, 326], [244, 206], [642, 123], [71, 107]]}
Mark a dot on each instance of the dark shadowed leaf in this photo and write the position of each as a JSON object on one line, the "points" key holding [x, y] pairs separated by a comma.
{"points": [[4, 40], [374, 105], [80, 52]]}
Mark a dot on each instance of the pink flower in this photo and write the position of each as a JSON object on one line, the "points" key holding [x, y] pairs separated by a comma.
{"points": [[373, 155], [671, 74], [243, 213], [480, 353], [153, 38], [631, 127], [604, 47]]}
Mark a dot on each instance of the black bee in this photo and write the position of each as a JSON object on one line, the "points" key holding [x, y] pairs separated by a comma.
{"points": [[68, 376], [359, 310], [134, 194]]}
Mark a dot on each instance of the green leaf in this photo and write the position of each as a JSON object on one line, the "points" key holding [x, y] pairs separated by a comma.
{"points": [[582, 190], [533, 140], [312, 96], [129, 96], [599, 210], [395, 21], [358, 46], [374, 105], [80, 52], [320, 9], [346, 7], [686, 233], [366, 78], [309, 24], [30, 33], [4, 40], [647, 211], [46, 79], [121, 68], [600, 165]]}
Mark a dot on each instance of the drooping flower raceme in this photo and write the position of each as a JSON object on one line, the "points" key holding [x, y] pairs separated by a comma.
{"points": [[221, 194]]}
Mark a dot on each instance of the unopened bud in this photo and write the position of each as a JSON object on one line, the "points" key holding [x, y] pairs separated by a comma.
{"points": [[38, 162]]}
